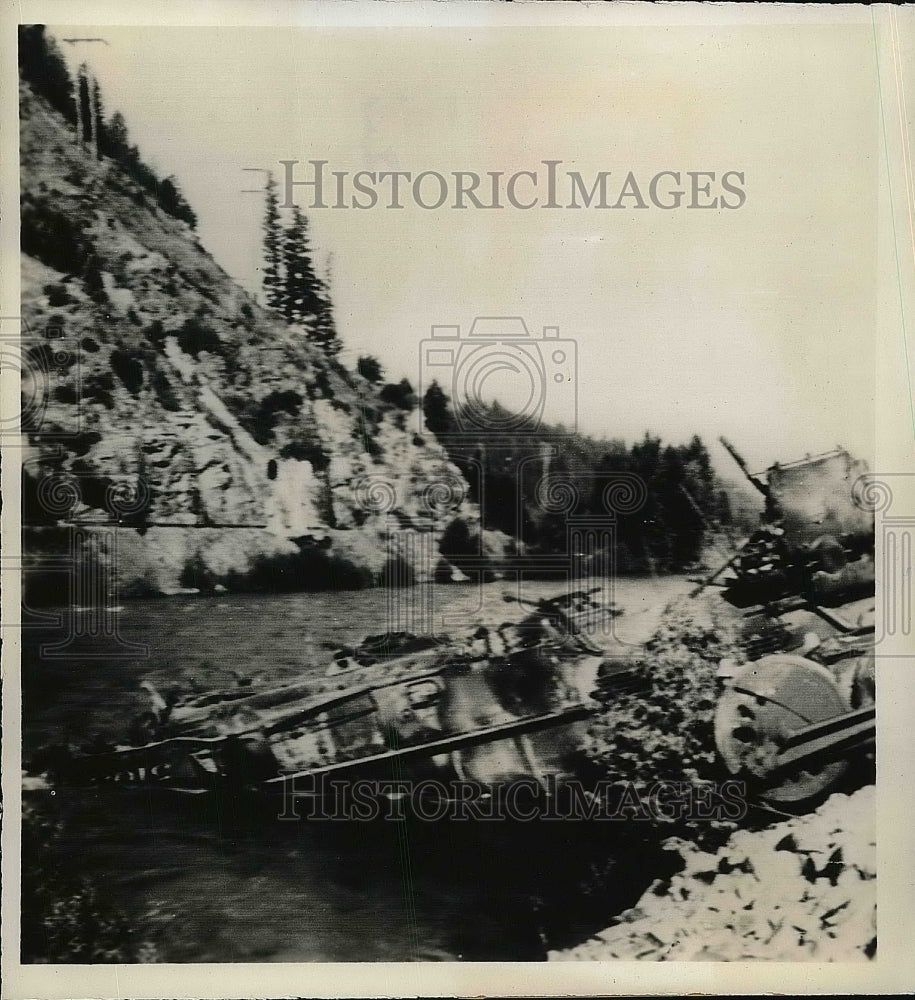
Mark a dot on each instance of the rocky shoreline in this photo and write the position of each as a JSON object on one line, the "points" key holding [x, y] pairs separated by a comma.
{"points": [[800, 890]]}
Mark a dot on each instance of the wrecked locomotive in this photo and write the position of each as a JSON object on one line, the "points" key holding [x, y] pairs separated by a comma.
{"points": [[794, 712], [492, 706], [800, 712]]}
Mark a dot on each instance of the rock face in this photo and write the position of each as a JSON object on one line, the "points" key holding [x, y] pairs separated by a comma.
{"points": [[225, 435], [801, 890]]}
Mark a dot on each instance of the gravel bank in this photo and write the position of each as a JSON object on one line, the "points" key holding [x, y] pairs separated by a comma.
{"points": [[799, 890]]}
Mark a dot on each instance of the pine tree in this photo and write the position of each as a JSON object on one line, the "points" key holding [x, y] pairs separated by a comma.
{"points": [[83, 105], [42, 65], [273, 282], [302, 299], [370, 369], [98, 117], [437, 410], [724, 509], [115, 138], [171, 200], [324, 332]]}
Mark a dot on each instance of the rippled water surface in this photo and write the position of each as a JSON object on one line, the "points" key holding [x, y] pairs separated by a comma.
{"points": [[208, 882]]}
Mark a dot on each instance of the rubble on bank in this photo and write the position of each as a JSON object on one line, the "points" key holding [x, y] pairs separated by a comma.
{"points": [[799, 890], [663, 730]]}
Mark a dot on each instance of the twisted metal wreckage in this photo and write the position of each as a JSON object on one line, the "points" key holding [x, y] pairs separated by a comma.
{"points": [[496, 705]]}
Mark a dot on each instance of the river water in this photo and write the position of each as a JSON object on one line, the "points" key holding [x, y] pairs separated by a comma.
{"points": [[207, 882]]}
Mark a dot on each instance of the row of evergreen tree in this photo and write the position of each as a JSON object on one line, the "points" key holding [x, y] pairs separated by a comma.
{"points": [[683, 497], [292, 286], [43, 67]]}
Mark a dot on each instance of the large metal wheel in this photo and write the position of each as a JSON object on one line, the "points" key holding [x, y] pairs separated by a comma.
{"points": [[766, 702]]}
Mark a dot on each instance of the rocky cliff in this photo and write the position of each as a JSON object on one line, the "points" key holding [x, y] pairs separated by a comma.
{"points": [[161, 398]]}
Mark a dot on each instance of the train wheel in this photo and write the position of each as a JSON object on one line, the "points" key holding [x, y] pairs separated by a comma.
{"points": [[767, 702]]}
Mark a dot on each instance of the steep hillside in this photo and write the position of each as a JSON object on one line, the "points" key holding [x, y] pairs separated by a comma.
{"points": [[237, 445]]}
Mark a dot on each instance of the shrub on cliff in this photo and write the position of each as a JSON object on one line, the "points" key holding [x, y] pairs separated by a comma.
{"points": [[127, 364], [164, 392], [156, 333], [370, 368], [464, 545], [197, 574], [260, 419], [397, 572], [310, 569], [196, 336], [58, 295], [51, 236], [99, 387], [307, 450], [285, 401], [399, 394]]}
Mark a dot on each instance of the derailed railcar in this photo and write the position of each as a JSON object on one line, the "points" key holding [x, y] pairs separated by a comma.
{"points": [[492, 707], [815, 540], [799, 714]]}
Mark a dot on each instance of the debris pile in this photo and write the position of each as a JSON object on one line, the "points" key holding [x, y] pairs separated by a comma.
{"points": [[665, 731], [800, 890]]}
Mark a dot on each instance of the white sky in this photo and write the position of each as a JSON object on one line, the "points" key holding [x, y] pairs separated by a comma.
{"points": [[757, 323]]}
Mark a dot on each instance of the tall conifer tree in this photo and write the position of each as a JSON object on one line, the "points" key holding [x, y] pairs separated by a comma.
{"points": [[302, 299], [324, 333], [273, 282], [116, 137], [98, 117], [84, 104]]}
